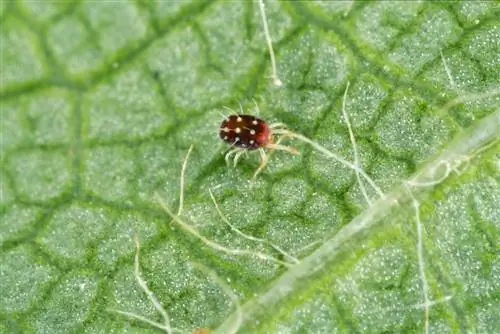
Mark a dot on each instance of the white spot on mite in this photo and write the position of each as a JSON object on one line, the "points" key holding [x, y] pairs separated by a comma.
{"points": [[252, 141], [237, 130], [225, 129], [252, 131], [236, 139], [239, 119], [225, 137], [255, 122]]}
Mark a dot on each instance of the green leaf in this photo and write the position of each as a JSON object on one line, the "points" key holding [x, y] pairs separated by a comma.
{"points": [[100, 102]]}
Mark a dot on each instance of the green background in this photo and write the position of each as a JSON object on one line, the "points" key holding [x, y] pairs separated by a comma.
{"points": [[100, 101]]}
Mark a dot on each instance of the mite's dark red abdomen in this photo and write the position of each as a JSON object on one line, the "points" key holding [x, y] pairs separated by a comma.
{"points": [[245, 131]]}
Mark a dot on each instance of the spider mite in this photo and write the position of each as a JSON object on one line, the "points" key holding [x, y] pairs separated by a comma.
{"points": [[249, 133]]}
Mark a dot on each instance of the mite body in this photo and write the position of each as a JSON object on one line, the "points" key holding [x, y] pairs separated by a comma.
{"points": [[245, 131], [248, 133]]}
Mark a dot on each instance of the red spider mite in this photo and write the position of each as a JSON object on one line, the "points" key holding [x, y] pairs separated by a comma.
{"points": [[248, 133]]}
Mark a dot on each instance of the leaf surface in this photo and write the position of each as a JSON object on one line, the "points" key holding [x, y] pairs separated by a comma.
{"points": [[100, 102]]}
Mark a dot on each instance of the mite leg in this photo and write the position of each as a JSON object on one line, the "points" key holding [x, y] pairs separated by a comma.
{"points": [[276, 126], [276, 146], [230, 153], [263, 163], [237, 157]]}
